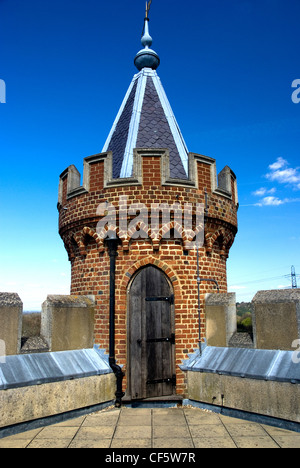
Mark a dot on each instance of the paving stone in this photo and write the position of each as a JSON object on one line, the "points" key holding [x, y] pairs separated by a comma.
{"points": [[171, 443], [57, 432], [131, 443], [107, 419], [133, 432], [255, 442], [214, 442], [135, 419], [208, 430], [95, 433], [49, 443], [245, 430], [9, 443], [71, 422], [157, 428], [229, 420], [168, 417], [170, 432], [288, 441], [90, 443], [195, 418]]}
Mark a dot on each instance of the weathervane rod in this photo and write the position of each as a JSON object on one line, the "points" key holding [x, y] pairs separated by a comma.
{"points": [[146, 58], [148, 5]]}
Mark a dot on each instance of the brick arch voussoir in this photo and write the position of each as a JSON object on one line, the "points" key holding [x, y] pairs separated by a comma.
{"points": [[211, 239], [165, 229], [87, 231], [169, 272], [69, 241], [142, 227]]}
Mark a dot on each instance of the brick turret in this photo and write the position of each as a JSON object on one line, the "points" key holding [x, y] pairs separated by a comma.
{"points": [[126, 181]]}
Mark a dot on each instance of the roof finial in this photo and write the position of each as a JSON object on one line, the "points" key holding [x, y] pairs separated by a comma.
{"points": [[147, 58]]}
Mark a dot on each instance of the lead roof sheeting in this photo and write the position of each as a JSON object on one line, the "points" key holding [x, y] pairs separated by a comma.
{"points": [[32, 369], [284, 368], [249, 363]]}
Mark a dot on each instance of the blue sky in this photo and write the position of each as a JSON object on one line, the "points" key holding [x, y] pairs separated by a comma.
{"points": [[227, 68]]}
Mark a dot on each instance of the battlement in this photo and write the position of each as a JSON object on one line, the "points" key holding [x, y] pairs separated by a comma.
{"points": [[151, 182], [98, 175]]}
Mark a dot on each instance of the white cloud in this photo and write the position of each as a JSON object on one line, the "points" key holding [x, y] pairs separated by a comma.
{"points": [[271, 201], [263, 191], [285, 176], [275, 201], [281, 173], [278, 164]]}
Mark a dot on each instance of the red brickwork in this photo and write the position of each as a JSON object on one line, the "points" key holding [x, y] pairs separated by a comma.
{"points": [[150, 184]]}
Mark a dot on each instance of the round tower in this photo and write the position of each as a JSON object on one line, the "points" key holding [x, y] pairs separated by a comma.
{"points": [[148, 229]]}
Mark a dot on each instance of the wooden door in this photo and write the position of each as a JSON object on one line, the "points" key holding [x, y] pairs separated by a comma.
{"points": [[152, 338]]}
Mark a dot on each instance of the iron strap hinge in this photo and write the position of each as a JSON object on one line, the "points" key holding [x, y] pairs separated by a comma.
{"points": [[171, 380], [170, 340], [169, 299]]}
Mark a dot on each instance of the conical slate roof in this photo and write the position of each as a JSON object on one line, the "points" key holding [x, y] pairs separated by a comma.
{"points": [[146, 119]]}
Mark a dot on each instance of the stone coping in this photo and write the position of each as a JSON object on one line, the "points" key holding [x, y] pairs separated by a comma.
{"points": [[10, 299]]}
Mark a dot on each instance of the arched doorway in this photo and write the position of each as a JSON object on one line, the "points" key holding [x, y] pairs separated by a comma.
{"points": [[151, 335]]}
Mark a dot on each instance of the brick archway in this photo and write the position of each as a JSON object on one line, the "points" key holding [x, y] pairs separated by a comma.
{"points": [[170, 273]]}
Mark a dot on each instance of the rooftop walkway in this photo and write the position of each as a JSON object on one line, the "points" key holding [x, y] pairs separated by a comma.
{"points": [[154, 428]]}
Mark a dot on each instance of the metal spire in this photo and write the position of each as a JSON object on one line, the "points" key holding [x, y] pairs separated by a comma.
{"points": [[147, 58]]}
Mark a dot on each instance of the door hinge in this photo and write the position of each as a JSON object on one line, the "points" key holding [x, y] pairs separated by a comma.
{"points": [[170, 340], [169, 299], [171, 380]]}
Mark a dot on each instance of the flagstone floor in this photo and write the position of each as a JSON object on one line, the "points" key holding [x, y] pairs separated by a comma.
{"points": [[154, 428]]}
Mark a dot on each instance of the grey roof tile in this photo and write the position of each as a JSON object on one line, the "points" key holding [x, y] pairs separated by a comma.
{"points": [[119, 138], [146, 120]]}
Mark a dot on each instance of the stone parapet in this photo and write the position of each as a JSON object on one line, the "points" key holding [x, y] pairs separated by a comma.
{"points": [[276, 319], [67, 322], [43, 385], [221, 323], [11, 310], [262, 382]]}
